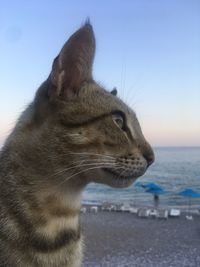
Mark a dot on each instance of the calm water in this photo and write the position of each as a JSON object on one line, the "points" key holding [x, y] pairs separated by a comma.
{"points": [[175, 169]]}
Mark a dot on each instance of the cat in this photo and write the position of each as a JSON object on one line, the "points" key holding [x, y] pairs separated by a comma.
{"points": [[73, 133]]}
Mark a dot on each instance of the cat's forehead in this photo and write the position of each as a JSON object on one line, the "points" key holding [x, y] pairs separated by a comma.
{"points": [[92, 102], [95, 95]]}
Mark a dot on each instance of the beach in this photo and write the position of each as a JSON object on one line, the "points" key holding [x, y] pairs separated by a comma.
{"points": [[121, 239]]}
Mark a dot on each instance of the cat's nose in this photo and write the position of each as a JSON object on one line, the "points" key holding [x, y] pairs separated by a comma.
{"points": [[148, 154], [150, 158]]}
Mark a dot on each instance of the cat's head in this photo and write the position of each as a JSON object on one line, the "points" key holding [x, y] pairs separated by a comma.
{"points": [[88, 131]]}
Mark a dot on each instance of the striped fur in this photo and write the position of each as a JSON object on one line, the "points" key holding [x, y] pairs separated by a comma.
{"points": [[73, 133]]}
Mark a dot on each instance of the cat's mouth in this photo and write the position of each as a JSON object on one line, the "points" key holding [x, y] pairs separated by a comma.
{"points": [[118, 175], [117, 180]]}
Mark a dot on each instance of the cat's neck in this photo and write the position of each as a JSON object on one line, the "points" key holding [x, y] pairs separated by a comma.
{"points": [[49, 212], [53, 205]]}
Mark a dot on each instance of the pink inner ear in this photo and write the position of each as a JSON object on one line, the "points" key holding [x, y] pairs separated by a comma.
{"points": [[73, 66]]}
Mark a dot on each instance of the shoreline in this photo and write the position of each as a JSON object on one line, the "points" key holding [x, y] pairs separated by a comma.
{"points": [[106, 206]]}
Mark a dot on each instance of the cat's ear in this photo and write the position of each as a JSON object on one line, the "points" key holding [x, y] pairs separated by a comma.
{"points": [[73, 65], [114, 91]]}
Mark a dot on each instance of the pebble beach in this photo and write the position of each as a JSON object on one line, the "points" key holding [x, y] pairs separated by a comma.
{"points": [[115, 239]]}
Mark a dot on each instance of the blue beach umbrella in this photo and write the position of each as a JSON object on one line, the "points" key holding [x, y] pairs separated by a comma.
{"points": [[148, 186], [189, 193], [155, 191], [152, 186]]}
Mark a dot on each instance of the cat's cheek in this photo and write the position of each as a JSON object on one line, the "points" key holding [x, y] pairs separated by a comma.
{"points": [[78, 139]]}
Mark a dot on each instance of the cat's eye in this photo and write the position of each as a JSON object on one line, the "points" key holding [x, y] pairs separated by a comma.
{"points": [[118, 120]]}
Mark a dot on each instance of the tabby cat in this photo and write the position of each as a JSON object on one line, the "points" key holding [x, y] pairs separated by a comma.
{"points": [[73, 133]]}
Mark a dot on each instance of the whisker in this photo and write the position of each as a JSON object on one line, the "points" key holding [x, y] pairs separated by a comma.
{"points": [[83, 165], [91, 154], [85, 170], [88, 159], [94, 160], [85, 156]]}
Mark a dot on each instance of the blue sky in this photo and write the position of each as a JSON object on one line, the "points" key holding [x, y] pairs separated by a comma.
{"points": [[148, 49]]}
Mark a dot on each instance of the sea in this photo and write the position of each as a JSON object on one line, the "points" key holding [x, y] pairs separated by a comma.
{"points": [[175, 169]]}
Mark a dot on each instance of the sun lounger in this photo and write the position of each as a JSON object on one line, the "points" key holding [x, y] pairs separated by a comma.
{"points": [[118, 207], [108, 207], [83, 210], [162, 214], [125, 207], [113, 208], [174, 213], [133, 210], [94, 209], [153, 213], [105, 207], [189, 217], [143, 213]]}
